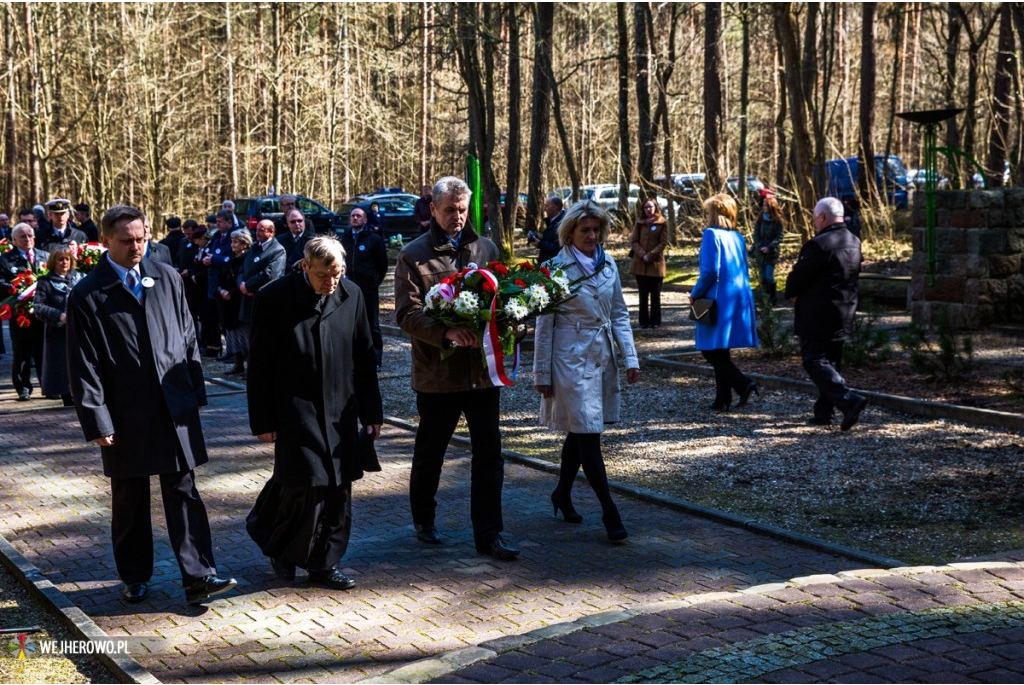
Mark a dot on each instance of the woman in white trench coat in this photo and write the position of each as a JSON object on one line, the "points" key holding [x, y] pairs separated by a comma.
{"points": [[575, 367]]}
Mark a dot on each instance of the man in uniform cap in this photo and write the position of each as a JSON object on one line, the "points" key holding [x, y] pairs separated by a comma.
{"points": [[63, 232]]}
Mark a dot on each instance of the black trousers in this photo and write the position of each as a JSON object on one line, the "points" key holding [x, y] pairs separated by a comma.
{"points": [[649, 288], [728, 377], [27, 346], [823, 360], [584, 449], [439, 415], [187, 527], [209, 324], [372, 298]]}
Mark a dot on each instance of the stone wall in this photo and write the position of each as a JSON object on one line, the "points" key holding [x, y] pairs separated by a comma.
{"points": [[979, 240]]}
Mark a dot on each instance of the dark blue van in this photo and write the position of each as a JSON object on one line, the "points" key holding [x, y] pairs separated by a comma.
{"points": [[841, 178]]}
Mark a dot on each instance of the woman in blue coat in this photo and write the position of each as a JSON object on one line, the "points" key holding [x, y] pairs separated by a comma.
{"points": [[724, 279]]}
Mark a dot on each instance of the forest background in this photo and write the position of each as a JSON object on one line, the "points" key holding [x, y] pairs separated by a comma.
{"points": [[176, 106]]}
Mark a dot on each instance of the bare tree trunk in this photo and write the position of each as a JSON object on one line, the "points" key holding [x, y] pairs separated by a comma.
{"points": [[713, 95], [952, 49], [230, 87], [801, 157], [975, 44], [779, 147], [897, 65], [1005, 67], [645, 137], [868, 78], [34, 163], [625, 158], [663, 75], [426, 73], [276, 97], [563, 135], [515, 145], [11, 121], [540, 118], [744, 106]]}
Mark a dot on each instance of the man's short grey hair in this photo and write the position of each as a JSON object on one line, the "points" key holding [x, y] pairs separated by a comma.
{"points": [[830, 207], [325, 249], [288, 197], [227, 204], [450, 187], [22, 228]]}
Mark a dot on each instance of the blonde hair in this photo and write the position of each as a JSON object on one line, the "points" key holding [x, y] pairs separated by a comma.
{"points": [[582, 210], [721, 210]]}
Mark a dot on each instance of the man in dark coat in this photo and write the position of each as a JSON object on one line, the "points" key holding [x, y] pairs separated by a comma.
{"points": [[311, 377], [137, 384], [263, 263], [294, 240], [62, 231], [26, 341], [218, 255], [547, 243], [174, 238], [85, 223], [366, 265], [824, 283]]}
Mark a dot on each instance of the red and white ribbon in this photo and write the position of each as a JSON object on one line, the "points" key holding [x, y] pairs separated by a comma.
{"points": [[492, 338], [27, 293]]}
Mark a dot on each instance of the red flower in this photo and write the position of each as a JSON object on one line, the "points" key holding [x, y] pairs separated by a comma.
{"points": [[526, 266], [520, 283], [5, 312], [499, 268], [546, 271], [24, 321], [487, 286]]}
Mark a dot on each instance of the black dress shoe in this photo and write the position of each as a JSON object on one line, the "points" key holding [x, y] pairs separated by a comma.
{"points": [[851, 417], [207, 587], [719, 406], [428, 533], [24, 395], [282, 569], [499, 549], [334, 579], [816, 421], [134, 592]]}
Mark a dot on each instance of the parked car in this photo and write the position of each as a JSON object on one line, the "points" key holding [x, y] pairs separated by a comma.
{"points": [[607, 196], [918, 177], [397, 212], [839, 177], [520, 211], [251, 210], [978, 181]]}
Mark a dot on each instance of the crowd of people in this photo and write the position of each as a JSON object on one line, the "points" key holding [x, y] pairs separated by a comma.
{"points": [[123, 344]]}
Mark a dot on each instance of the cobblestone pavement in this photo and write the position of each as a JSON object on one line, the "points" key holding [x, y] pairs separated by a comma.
{"points": [[683, 599]]}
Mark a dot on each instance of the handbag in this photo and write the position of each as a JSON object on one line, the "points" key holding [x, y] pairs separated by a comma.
{"points": [[704, 310]]}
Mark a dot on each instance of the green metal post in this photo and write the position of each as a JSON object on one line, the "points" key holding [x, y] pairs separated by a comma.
{"points": [[476, 203], [930, 179]]}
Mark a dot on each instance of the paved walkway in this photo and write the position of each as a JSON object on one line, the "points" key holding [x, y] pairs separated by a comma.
{"points": [[683, 599]]}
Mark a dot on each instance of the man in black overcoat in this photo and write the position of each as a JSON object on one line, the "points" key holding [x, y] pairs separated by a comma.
{"points": [[26, 341], [824, 282], [366, 265], [312, 381], [295, 238], [263, 263], [137, 384], [62, 231]]}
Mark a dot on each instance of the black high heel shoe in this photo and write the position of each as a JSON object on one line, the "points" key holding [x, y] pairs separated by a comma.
{"points": [[613, 525], [745, 395], [719, 406], [565, 504]]}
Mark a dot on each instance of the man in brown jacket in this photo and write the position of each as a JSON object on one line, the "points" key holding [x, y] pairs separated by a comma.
{"points": [[445, 390]]}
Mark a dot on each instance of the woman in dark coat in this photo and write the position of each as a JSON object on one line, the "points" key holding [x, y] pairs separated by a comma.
{"points": [[768, 233], [236, 332], [49, 305], [312, 381]]}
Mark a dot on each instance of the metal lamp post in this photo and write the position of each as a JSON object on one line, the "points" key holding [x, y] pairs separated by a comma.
{"points": [[929, 121]]}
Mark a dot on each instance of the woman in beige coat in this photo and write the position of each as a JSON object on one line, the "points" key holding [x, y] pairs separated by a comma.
{"points": [[648, 243], [575, 366]]}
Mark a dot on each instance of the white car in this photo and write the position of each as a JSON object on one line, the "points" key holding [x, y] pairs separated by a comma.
{"points": [[607, 196]]}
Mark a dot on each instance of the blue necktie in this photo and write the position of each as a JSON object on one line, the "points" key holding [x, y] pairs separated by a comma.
{"points": [[133, 283]]}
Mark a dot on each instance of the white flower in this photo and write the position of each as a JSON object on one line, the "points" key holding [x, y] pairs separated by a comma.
{"points": [[516, 309], [538, 297], [559, 279], [467, 303]]}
